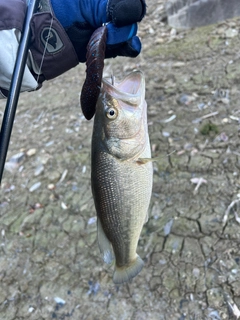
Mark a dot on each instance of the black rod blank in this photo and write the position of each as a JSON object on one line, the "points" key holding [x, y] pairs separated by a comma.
{"points": [[15, 86]]}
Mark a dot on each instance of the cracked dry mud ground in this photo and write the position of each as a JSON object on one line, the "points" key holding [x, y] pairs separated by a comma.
{"points": [[50, 267]]}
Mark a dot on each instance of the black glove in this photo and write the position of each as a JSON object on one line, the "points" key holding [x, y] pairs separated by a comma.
{"points": [[124, 12]]}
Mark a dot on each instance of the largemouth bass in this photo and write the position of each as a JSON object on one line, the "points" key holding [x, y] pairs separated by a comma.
{"points": [[121, 182]]}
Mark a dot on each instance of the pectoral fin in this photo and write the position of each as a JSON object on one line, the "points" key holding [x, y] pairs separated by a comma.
{"points": [[104, 244], [146, 160]]}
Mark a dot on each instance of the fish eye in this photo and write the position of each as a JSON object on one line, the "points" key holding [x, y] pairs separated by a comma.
{"points": [[111, 113]]}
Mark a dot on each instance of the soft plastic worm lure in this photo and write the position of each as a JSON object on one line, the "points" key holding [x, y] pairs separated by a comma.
{"points": [[95, 64]]}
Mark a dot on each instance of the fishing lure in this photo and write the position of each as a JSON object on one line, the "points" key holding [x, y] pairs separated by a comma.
{"points": [[95, 64]]}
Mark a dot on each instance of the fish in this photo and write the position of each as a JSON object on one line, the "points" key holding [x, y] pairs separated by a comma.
{"points": [[121, 181]]}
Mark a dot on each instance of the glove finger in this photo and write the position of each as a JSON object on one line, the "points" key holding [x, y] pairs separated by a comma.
{"points": [[130, 48], [124, 12], [118, 35]]}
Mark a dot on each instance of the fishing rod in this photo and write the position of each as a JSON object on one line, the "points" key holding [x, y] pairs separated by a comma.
{"points": [[15, 86]]}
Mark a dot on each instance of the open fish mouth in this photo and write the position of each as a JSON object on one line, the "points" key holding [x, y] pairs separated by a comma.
{"points": [[129, 90]]}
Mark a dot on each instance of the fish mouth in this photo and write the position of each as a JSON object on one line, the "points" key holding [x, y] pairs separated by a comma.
{"points": [[130, 90]]}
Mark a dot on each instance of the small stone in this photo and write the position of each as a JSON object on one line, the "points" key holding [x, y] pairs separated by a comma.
{"points": [[170, 119], [64, 206], [14, 162], [234, 118], [186, 99], [225, 120], [35, 186], [38, 170], [92, 220], [84, 207], [59, 300], [31, 152], [31, 309], [231, 33], [44, 159], [50, 143], [223, 137], [201, 106], [64, 174], [196, 272], [151, 31], [51, 186], [173, 32], [166, 134], [54, 176], [179, 64], [160, 41], [168, 227], [234, 271], [17, 158]]}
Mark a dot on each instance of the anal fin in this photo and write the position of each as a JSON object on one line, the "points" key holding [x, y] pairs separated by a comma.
{"points": [[105, 245]]}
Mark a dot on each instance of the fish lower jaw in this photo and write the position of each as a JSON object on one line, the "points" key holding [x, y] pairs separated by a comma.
{"points": [[126, 273]]}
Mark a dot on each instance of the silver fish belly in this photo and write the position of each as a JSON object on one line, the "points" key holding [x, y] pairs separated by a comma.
{"points": [[121, 183]]}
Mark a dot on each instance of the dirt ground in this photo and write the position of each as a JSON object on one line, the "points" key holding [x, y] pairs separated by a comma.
{"points": [[50, 266]]}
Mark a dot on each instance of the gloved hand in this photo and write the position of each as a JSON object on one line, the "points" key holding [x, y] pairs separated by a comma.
{"points": [[81, 17]]}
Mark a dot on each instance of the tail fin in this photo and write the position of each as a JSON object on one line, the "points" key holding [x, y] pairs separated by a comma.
{"points": [[126, 273]]}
